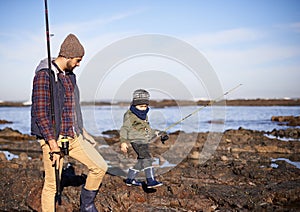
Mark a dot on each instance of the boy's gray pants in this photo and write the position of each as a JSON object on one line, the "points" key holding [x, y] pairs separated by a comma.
{"points": [[144, 157]]}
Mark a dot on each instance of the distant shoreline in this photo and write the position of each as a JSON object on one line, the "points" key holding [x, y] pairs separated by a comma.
{"points": [[169, 103]]}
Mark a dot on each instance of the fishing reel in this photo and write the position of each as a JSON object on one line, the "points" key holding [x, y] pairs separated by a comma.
{"points": [[64, 145], [64, 149]]}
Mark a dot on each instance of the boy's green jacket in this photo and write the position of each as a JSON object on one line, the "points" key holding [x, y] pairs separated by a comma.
{"points": [[135, 129]]}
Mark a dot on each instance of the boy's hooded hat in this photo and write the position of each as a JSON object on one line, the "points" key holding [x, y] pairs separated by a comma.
{"points": [[140, 97], [71, 47]]}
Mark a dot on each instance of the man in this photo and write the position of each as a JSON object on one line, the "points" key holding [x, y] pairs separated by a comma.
{"points": [[61, 89]]}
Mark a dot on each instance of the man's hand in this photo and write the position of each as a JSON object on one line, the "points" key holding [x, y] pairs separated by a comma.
{"points": [[55, 156], [124, 147], [54, 152]]}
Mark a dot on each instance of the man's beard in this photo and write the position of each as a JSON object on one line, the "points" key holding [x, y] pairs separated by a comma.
{"points": [[69, 66]]}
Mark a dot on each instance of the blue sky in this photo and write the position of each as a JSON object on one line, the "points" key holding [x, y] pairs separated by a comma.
{"points": [[253, 42]]}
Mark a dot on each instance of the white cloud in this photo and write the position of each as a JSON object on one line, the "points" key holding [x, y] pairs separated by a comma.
{"points": [[268, 69], [90, 26], [21, 45], [243, 48], [225, 37], [294, 27], [256, 55], [21, 50]]}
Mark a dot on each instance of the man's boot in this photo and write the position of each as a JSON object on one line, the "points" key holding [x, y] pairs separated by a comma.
{"points": [[151, 182], [87, 200], [130, 178]]}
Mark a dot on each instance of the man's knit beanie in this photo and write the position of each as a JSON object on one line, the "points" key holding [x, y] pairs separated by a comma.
{"points": [[71, 47], [140, 97]]}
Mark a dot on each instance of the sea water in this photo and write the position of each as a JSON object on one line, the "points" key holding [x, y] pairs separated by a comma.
{"points": [[98, 119]]}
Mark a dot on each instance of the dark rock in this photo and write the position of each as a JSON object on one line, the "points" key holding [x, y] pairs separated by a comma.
{"points": [[5, 122], [111, 133], [287, 120], [293, 133], [9, 133]]}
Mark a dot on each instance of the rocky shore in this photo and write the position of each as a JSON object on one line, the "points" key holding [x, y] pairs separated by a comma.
{"points": [[249, 171]]}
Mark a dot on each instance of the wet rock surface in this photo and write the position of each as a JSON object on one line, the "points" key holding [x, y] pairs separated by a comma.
{"points": [[287, 120], [239, 175], [5, 122]]}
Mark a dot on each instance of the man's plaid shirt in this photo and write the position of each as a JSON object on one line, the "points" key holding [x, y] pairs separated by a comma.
{"points": [[41, 94]]}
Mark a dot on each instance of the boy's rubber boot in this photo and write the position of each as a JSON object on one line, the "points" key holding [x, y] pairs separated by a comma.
{"points": [[87, 200], [151, 182], [130, 178]]}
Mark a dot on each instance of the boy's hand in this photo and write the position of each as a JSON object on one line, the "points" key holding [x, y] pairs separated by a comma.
{"points": [[124, 147], [163, 138]]}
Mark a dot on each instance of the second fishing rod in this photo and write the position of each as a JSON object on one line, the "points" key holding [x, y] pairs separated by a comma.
{"points": [[210, 103]]}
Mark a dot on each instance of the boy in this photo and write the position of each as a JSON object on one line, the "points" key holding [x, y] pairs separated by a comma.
{"points": [[136, 131]]}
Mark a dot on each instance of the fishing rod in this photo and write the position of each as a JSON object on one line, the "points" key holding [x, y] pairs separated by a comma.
{"points": [[49, 66], [196, 111], [47, 35], [200, 108], [58, 185], [56, 167]]}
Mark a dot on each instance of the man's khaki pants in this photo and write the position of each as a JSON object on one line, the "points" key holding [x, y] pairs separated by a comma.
{"points": [[81, 150]]}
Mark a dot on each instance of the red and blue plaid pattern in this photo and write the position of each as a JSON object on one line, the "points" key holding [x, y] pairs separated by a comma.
{"points": [[67, 119], [41, 96]]}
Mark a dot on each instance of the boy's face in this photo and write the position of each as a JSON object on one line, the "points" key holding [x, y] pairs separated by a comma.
{"points": [[141, 107]]}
